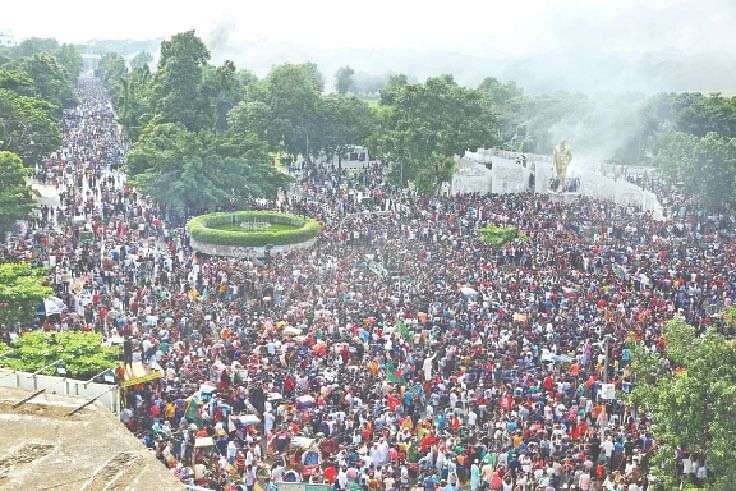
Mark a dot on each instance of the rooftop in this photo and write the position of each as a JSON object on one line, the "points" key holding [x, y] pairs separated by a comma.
{"points": [[41, 447]]}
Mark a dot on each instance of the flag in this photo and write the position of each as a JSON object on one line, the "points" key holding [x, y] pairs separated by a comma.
{"points": [[402, 330], [393, 375]]}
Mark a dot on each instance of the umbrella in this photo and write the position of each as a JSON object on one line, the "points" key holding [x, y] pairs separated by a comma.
{"points": [[468, 291], [51, 306]]}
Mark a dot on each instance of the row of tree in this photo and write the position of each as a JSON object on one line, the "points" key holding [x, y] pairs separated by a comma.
{"points": [[691, 138], [420, 126], [37, 79]]}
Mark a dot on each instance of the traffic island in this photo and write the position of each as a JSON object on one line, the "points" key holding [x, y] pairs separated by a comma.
{"points": [[251, 233]]}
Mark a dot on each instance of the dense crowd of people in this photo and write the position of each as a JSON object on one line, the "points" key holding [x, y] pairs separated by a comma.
{"points": [[400, 351]]}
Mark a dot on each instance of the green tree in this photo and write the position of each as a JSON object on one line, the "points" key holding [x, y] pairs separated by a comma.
{"points": [[254, 117], [394, 84], [690, 391], [27, 126], [182, 169], [343, 121], [133, 100], [500, 92], [178, 92], [50, 80], [22, 288], [428, 125], [19, 82], [16, 200], [82, 353], [70, 59], [344, 79], [31, 46], [704, 167], [142, 58], [111, 70], [535, 123], [246, 78], [223, 90], [292, 95]]}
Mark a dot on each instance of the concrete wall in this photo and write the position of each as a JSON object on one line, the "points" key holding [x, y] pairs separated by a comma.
{"points": [[62, 386], [233, 251]]}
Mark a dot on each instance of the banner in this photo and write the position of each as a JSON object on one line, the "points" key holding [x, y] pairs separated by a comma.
{"points": [[145, 378]]}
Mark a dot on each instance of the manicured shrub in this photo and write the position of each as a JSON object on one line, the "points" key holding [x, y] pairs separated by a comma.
{"points": [[200, 229]]}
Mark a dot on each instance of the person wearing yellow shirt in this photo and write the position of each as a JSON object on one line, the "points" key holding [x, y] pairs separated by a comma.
{"points": [[517, 440]]}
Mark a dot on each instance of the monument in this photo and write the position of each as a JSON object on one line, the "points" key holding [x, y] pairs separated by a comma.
{"points": [[561, 159]]}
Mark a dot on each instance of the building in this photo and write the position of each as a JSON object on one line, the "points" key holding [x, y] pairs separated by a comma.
{"points": [[494, 171]]}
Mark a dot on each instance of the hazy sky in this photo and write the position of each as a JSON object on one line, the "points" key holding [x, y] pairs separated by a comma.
{"points": [[508, 27]]}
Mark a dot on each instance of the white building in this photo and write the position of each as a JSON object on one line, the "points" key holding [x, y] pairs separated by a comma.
{"points": [[500, 172]]}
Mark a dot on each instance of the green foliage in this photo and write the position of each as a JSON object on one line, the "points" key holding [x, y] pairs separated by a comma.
{"points": [[246, 77], [202, 170], [344, 79], [500, 92], [430, 123], [19, 82], [27, 124], [16, 200], [82, 353], [111, 70], [70, 59], [31, 46], [535, 123], [22, 288], [201, 229], [705, 167], [498, 236], [51, 81], [282, 108], [691, 394], [694, 113], [130, 91], [142, 58], [343, 121], [179, 95], [393, 85]]}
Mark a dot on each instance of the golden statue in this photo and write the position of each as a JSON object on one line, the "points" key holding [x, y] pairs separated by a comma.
{"points": [[561, 159]]}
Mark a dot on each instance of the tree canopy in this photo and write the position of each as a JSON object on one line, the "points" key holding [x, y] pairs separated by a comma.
{"points": [[428, 124], [16, 200], [179, 95], [344, 79], [27, 124], [82, 353], [690, 390], [187, 170], [22, 288]]}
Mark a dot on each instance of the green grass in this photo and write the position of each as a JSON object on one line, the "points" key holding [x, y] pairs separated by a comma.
{"points": [[235, 227]]}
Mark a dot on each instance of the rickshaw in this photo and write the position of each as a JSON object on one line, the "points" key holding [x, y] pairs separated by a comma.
{"points": [[305, 456]]}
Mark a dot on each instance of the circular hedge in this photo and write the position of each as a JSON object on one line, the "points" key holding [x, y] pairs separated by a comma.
{"points": [[200, 229]]}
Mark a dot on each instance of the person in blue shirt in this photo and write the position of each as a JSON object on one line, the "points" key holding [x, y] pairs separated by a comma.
{"points": [[430, 482]]}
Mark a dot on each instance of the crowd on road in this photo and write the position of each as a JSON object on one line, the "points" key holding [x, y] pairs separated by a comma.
{"points": [[400, 351]]}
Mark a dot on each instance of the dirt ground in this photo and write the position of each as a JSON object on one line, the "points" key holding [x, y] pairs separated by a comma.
{"points": [[42, 448]]}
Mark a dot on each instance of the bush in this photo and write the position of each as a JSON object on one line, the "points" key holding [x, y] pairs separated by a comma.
{"points": [[199, 229], [82, 353]]}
